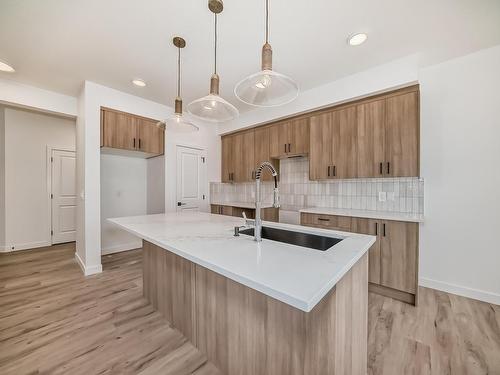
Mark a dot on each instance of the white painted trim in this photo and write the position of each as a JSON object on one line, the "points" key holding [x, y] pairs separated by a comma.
{"points": [[121, 247], [463, 291], [87, 271], [26, 246], [4, 249], [50, 151]]}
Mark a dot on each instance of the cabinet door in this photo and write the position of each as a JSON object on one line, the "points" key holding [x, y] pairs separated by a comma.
{"points": [[344, 143], [320, 153], [151, 137], [370, 226], [371, 139], [215, 209], [271, 214], [243, 156], [278, 136], [399, 255], [226, 158], [262, 151], [334, 222], [298, 137], [402, 136], [119, 131], [227, 210]]}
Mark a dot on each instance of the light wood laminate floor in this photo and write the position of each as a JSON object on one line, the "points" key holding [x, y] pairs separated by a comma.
{"points": [[55, 321]]}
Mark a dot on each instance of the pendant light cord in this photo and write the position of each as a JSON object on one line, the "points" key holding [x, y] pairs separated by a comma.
{"points": [[215, 44], [267, 21], [179, 72]]}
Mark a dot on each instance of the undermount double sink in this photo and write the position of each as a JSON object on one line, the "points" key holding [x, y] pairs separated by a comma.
{"points": [[311, 241]]}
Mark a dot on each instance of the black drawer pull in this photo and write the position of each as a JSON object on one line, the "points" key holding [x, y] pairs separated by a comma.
{"points": [[322, 219]]}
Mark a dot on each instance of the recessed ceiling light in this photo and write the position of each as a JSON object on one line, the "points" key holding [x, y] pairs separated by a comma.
{"points": [[4, 67], [357, 39], [139, 82]]}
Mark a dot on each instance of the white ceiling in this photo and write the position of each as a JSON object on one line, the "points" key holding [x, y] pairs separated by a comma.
{"points": [[57, 44]]}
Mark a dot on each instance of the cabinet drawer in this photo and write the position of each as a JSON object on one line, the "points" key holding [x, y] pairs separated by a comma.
{"points": [[342, 223]]}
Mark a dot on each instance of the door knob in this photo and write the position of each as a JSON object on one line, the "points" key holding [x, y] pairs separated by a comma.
{"points": [[181, 204]]}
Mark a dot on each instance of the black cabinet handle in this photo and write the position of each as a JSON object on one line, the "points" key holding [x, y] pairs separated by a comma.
{"points": [[388, 168], [376, 229], [285, 148], [322, 219], [139, 143], [134, 142], [334, 170], [384, 230], [381, 168], [289, 147], [328, 171]]}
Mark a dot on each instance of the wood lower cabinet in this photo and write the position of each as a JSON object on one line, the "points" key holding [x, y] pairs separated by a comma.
{"points": [[393, 258], [371, 227], [268, 214], [125, 131]]}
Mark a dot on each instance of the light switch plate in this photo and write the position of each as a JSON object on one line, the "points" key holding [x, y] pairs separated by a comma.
{"points": [[382, 196]]}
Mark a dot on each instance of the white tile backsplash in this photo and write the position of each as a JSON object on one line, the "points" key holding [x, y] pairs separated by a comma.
{"points": [[297, 192]]}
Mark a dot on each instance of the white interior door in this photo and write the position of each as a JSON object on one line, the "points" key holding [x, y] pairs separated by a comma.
{"points": [[191, 178], [63, 196]]}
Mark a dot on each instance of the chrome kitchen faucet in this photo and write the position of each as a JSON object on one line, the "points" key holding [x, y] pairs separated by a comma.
{"points": [[258, 202]]}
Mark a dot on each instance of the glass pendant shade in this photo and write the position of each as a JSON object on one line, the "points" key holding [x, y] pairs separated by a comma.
{"points": [[213, 108], [180, 124], [267, 88]]}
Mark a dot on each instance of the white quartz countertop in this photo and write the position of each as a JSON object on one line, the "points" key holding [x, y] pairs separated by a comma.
{"points": [[295, 275], [242, 204], [383, 215]]}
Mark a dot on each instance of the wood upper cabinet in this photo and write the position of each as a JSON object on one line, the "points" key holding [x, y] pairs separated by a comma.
{"points": [[371, 227], [227, 159], [262, 151], [333, 145], [243, 156], [371, 139], [237, 157], [320, 154], [289, 138], [399, 255], [120, 130], [151, 138], [402, 135]]}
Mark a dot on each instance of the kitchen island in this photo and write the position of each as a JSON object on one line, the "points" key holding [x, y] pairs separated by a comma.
{"points": [[257, 308]]}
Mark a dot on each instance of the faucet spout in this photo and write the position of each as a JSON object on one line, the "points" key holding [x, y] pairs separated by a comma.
{"points": [[258, 201]]}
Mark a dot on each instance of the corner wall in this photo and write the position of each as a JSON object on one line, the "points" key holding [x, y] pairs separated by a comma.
{"points": [[460, 141]]}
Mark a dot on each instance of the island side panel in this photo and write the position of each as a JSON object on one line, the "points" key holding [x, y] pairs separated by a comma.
{"points": [[168, 284], [246, 332]]}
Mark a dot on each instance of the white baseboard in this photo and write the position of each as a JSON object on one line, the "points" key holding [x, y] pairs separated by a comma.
{"points": [[463, 291], [121, 247], [88, 270], [24, 246]]}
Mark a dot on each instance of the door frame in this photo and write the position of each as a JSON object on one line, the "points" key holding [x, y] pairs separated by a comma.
{"points": [[205, 177], [49, 150]]}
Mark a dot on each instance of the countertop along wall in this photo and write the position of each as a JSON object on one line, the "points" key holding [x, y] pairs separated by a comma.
{"points": [[460, 155]]}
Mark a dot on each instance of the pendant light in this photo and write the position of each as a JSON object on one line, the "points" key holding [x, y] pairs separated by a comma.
{"points": [[212, 107], [267, 88], [178, 122]]}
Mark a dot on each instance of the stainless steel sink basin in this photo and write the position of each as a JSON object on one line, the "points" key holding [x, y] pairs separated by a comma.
{"points": [[311, 241]]}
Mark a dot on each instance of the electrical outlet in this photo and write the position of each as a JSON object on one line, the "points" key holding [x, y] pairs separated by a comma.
{"points": [[382, 196], [390, 196]]}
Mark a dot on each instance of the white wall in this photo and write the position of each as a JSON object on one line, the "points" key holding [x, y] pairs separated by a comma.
{"points": [[123, 193], [460, 138], [27, 208], [155, 185], [92, 97], [401, 72]]}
